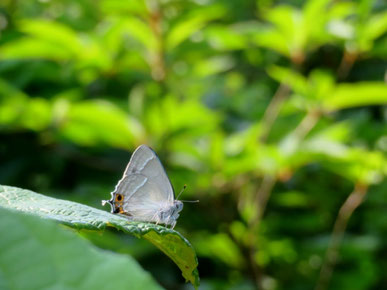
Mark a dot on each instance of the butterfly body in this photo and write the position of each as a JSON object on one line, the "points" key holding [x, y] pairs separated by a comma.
{"points": [[145, 193]]}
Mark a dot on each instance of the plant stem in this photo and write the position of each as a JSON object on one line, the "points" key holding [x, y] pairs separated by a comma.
{"points": [[262, 196], [346, 64], [306, 125], [260, 201], [268, 180], [351, 203], [157, 57], [272, 110]]}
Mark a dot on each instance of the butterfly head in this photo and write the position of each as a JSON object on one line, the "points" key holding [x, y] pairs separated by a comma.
{"points": [[116, 203], [178, 205]]}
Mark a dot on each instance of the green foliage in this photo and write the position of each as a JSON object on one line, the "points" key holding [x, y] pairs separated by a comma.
{"points": [[36, 254], [83, 217], [272, 112]]}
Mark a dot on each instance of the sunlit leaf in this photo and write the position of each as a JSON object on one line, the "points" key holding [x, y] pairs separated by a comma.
{"points": [[141, 31], [53, 257], [220, 246], [272, 39], [52, 32], [123, 7], [28, 48], [193, 22], [225, 38], [376, 26], [354, 95], [290, 77], [79, 216], [213, 65], [96, 123], [19, 111]]}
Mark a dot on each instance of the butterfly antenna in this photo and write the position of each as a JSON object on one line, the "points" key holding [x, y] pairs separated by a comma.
{"points": [[181, 191], [184, 187]]}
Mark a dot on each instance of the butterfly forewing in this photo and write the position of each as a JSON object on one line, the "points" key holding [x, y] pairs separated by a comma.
{"points": [[145, 179]]}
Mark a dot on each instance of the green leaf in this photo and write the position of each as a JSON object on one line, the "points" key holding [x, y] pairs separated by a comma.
{"points": [[44, 39], [220, 246], [141, 31], [191, 23], [123, 7], [38, 254], [17, 110], [29, 48], [273, 39], [376, 26], [52, 32], [213, 65], [355, 164], [225, 37], [354, 95], [79, 216], [96, 122], [290, 77]]}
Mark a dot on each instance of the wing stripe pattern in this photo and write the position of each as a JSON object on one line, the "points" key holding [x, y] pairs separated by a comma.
{"points": [[144, 161], [126, 187], [142, 167], [146, 189]]}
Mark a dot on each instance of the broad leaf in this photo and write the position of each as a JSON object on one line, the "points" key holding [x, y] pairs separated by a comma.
{"points": [[79, 216], [191, 23], [355, 95], [38, 254]]}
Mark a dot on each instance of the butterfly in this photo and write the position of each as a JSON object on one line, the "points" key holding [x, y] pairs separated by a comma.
{"points": [[145, 193]]}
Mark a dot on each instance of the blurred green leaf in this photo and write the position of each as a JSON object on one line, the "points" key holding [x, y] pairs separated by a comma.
{"points": [[38, 254], [291, 199], [19, 111], [179, 117], [96, 122], [213, 65], [273, 39], [294, 32], [225, 38], [289, 77], [376, 26], [123, 7], [28, 48], [56, 41], [354, 95], [52, 32], [44, 39], [220, 246], [141, 31], [191, 23], [358, 165], [79, 216], [309, 91]]}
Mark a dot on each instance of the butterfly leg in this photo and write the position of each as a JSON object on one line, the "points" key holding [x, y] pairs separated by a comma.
{"points": [[167, 222], [156, 218]]}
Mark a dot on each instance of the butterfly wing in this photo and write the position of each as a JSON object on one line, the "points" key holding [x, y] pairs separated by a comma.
{"points": [[145, 185], [145, 162], [142, 198]]}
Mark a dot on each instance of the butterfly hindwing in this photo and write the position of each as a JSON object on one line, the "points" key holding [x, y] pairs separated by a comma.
{"points": [[145, 199]]}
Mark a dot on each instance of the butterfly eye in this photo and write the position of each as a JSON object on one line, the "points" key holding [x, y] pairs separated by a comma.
{"points": [[118, 197]]}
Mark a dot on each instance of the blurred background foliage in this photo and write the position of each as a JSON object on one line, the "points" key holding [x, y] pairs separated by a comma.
{"points": [[272, 112]]}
